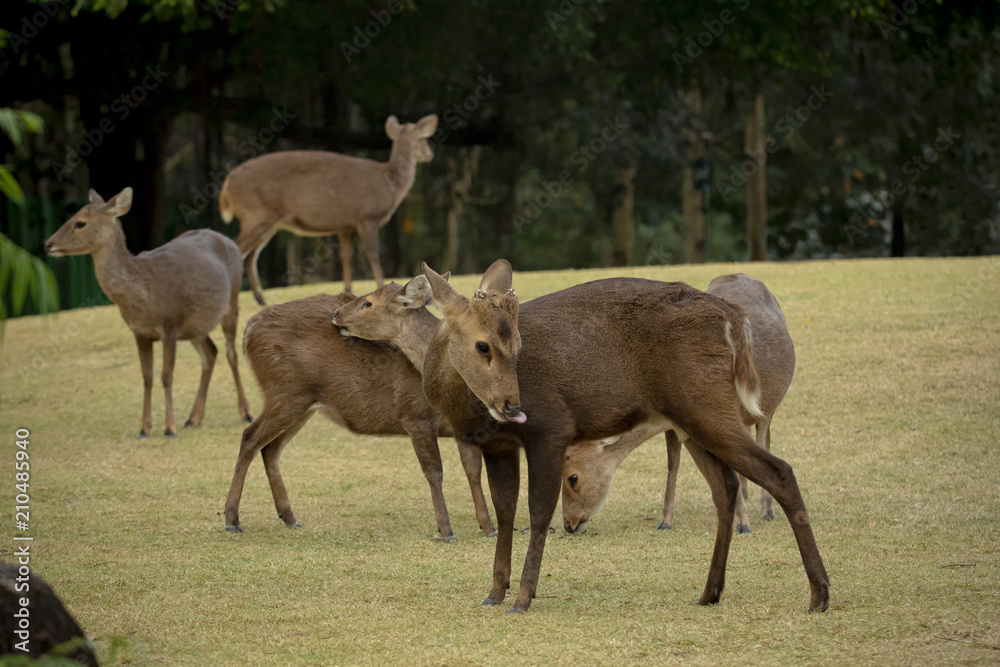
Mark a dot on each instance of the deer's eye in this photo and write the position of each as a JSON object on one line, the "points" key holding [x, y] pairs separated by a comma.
{"points": [[366, 304], [482, 347], [80, 224], [573, 479]]}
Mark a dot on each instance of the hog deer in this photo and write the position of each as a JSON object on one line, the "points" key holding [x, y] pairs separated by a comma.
{"points": [[179, 291], [317, 193], [304, 364], [590, 467], [599, 360]]}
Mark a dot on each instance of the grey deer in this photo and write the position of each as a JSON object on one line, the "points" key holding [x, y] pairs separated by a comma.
{"points": [[179, 291]]}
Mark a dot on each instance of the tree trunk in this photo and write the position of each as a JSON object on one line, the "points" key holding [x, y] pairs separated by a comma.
{"points": [[898, 247], [757, 182], [691, 197], [623, 217], [459, 184]]}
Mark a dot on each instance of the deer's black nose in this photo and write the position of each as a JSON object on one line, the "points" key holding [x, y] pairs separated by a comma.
{"points": [[48, 246], [568, 527]]}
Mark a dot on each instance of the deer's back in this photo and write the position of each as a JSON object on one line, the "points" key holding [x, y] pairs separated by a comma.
{"points": [[189, 283], [303, 362], [317, 191], [616, 352]]}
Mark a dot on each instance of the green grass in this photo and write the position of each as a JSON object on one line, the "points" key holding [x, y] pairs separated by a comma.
{"points": [[892, 425]]}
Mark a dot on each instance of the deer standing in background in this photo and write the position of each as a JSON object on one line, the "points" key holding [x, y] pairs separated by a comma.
{"points": [[590, 467], [179, 291], [602, 359], [318, 193], [305, 364]]}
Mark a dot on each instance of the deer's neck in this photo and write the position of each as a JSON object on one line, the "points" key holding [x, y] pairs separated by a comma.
{"points": [[116, 268], [417, 333], [401, 170]]}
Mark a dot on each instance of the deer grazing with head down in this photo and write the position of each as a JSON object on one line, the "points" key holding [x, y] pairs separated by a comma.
{"points": [[179, 291], [602, 359], [590, 467], [318, 193], [305, 364]]}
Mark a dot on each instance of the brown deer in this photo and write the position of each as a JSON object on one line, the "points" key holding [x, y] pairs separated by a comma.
{"points": [[304, 364], [602, 359], [317, 193], [179, 291], [590, 467]]}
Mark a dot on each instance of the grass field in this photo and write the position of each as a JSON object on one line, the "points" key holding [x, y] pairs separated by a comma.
{"points": [[892, 425]]}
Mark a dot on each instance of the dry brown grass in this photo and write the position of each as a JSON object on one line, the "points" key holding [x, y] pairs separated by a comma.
{"points": [[892, 425]]}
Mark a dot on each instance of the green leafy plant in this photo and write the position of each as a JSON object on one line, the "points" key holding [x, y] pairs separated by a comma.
{"points": [[21, 273]]}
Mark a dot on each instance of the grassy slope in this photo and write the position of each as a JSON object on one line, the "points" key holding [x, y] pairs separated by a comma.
{"points": [[892, 425]]}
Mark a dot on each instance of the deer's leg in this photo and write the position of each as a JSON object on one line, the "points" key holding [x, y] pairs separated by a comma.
{"points": [[673, 465], [742, 515], [737, 449], [145, 346], [725, 487], [250, 268], [472, 463], [254, 235], [346, 254], [207, 351], [167, 376], [271, 454], [544, 483], [425, 446], [503, 473], [764, 440], [270, 425], [368, 231], [229, 323]]}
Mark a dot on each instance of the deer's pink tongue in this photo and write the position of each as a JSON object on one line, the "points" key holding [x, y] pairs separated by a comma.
{"points": [[520, 418]]}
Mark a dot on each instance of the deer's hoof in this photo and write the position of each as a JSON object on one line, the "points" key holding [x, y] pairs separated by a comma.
{"points": [[293, 525], [515, 610], [492, 534], [742, 528], [143, 434], [450, 538], [234, 529], [248, 419], [664, 526], [489, 602]]}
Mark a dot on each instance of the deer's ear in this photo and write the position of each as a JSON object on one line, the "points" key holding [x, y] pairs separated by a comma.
{"points": [[120, 203], [446, 297], [498, 277], [416, 293], [427, 125], [392, 127], [95, 198]]}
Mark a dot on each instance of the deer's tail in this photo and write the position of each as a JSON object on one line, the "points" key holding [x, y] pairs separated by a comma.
{"points": [[225, 203], [744, 372]]}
